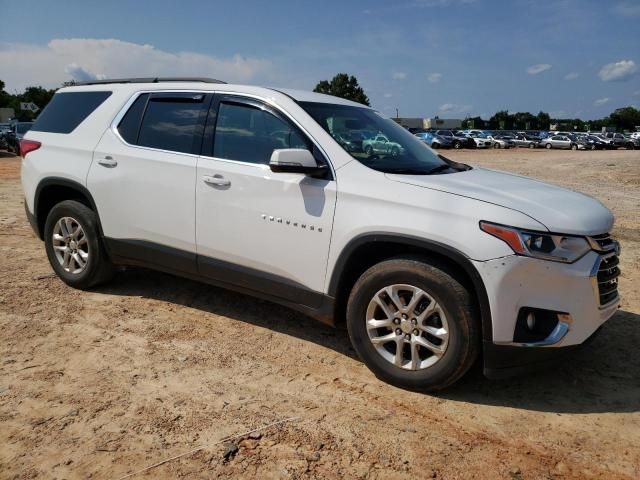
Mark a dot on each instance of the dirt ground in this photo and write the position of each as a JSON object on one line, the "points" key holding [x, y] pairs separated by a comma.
{"points": [[102, 384]]}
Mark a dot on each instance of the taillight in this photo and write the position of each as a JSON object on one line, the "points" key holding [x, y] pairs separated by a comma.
{"points": [[27, 146]]}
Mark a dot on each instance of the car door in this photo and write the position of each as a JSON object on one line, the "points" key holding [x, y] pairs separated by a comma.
{"points": [[264, 231], [143, 175]]}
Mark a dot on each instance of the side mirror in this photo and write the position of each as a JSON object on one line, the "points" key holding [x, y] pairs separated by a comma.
{"points": [[295, 160]]}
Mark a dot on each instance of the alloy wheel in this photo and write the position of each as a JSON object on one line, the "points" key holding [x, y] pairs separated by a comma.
{"points": [[70, 245], [407, 327]]}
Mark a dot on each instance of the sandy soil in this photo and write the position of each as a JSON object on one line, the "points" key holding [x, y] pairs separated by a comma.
{"points": [[102, 384]]}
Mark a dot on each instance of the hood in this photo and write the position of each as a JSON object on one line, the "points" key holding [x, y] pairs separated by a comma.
{"points": [[559, 209]]}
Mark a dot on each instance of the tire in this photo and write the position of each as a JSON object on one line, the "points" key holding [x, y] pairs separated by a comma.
{"points": [[395, 152], [435, 145], [574, 147], [457, 145], [531, 145], [496, 145], [593, 147], [97, 267], [548, 146], [368, 150], [456, 314]]}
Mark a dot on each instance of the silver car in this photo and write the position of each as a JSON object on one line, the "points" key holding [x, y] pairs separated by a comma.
{"points": [[559, 141]]}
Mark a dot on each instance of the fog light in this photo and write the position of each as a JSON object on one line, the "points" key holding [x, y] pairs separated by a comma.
{"points": [[531, 321], [534, 324]]}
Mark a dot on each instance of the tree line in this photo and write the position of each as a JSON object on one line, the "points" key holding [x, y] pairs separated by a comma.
{"points": [[347, 86]]}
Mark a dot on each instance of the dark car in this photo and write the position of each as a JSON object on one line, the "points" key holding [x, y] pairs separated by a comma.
{"points": [[596, 143], [457, 140], [15, 134]]}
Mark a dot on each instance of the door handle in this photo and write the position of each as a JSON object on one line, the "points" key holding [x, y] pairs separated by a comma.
{"points": [[108, 162], [217, 180]]}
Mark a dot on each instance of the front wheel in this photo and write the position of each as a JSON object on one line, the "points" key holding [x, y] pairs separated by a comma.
{"points": [[457, 145], [574, 147], [73, 245], [413, 324], [496, 145], [548, 146], [531, 145]]}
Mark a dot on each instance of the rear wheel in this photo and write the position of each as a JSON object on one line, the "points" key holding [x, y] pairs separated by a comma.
{"points": [[73, 245], [368, 150], [457, 145], [548, 146], [496, 145], [413, 324], [531, 145], [574, 147]]}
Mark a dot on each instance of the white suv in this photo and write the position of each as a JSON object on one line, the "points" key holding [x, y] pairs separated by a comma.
{"points": [[429, 262]]}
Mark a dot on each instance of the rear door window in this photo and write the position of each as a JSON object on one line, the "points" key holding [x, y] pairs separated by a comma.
{"points": [[67, 110], [173, 122]]}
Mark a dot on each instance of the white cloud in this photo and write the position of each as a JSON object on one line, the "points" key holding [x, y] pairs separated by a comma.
{"points": [[601, 101], [80, 74], [454, 108], [434, 77], [87, 58], [628, 9], [571, 76], [539, 68], [618, 71], [399, 75]]}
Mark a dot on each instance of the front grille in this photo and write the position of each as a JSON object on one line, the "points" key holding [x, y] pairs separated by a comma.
{"points": [[607, 278]]}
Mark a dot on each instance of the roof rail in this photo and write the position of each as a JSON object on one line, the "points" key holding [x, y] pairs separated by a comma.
{"points": [[143, 80]]}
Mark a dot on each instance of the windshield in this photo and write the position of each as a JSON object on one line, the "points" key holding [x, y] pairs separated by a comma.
{"points": [[378, 142]]}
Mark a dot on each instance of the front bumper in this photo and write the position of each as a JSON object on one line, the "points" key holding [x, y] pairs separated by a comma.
{"points": [[516, 282]]}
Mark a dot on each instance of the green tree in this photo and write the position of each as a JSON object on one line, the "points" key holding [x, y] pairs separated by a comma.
{"points": [[543, 120], [626, 118], [501, 120], [343, 86]]}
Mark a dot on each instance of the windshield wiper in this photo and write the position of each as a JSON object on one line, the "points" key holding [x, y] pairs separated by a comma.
{"points": [[407, 171], [437, 169]]}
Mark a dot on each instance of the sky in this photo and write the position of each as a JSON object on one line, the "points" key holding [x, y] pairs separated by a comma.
{"points": [[452, 58]]}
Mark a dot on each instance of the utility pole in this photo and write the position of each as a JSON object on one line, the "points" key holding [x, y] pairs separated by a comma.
{"points": [[397, 116]]}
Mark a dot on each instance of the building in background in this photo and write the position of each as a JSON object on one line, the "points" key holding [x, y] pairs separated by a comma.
{"points": [[7, 114], [427, 123]]}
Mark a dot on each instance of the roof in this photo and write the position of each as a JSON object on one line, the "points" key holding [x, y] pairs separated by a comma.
{"points": [[152, 83]]}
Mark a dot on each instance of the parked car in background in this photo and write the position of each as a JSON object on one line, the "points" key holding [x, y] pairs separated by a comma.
{"points": [[434, 141], [596, 143], [608, 142], [617, 139], [522, 140], [502, 141], [480, 139], [559, 141], [15, 134], [457, 140], [631, 143], [381, 145]]}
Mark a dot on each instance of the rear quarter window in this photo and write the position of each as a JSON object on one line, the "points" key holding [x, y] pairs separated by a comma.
{"points": [[67, 110]]}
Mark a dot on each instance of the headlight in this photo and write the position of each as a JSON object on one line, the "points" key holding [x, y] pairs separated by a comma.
{"points": [[546, 246]]}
